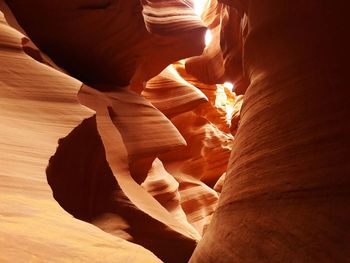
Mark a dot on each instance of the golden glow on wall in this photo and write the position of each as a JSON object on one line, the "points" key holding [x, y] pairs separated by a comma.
{"points": [[208, 37], [225, 99]]}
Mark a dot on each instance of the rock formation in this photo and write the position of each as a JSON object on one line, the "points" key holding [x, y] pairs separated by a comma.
{"points": [[122, 138], [39, 105], [287, 188]]}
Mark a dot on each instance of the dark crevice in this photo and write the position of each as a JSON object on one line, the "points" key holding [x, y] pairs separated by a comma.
{"points": [[84, 185], [96, 5]]}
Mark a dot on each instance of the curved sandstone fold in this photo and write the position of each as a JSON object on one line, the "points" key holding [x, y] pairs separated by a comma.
{"points": [[286, 196], [167, 17], [208, 148], [198, 200], [233, 33], [209, 66], [171, 94], [110, 108], [38, 105], [166, 159], [129, 110], [221, 60], [105, 43], [207, 110], [163, 187], [84, 184]]}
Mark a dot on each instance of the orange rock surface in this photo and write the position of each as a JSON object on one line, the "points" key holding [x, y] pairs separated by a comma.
{"points": [[39, 105], [112, 163], [128, 135], [286, 196]]}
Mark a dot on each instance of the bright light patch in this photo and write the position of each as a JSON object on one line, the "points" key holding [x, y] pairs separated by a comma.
{"points": [[225, 99], [221, 98], [199, 6], [208, 37], [229, 85]]}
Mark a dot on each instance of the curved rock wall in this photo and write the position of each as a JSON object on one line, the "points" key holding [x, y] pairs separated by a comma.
{"points": [[286, 196], [147, 162]]}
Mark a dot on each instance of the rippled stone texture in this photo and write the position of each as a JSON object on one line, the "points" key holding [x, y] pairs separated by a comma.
{"points": [[146, 164], [39, 105], [286, 196]]}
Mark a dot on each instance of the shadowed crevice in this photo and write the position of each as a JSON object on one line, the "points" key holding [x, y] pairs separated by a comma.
{"points": [[84, 185]]}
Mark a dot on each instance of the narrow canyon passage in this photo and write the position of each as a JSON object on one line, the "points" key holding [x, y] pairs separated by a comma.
{"points": [[174, 131]]}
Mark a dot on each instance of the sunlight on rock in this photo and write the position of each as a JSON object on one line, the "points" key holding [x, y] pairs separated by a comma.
{"points": [[199, 6], [208, 38], [229, 85], [225, 99], [174, 131]]}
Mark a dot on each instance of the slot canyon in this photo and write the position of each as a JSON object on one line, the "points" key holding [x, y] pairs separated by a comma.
{"points": [[200, 131]]}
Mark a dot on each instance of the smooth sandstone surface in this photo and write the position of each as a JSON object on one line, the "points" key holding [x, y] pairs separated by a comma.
{"points": [[85, 190], [112, 43], [287, 189], [38, 105], [153, 163]]}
